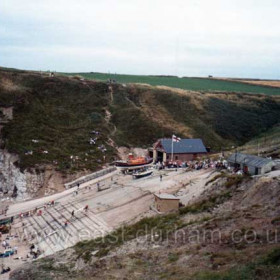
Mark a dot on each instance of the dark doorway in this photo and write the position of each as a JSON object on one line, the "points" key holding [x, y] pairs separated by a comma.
{"points": [[160, 156]]}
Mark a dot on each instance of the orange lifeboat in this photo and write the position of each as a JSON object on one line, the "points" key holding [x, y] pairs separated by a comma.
{"points": [[134, 161]]}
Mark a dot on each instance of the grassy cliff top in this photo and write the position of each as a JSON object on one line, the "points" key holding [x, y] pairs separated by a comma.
{"points": [[187, 83]]}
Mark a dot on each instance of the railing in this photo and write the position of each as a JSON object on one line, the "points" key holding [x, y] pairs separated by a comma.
{"points": [[89, 177]]}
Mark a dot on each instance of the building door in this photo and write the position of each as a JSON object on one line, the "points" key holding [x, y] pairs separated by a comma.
{"points": [[256, 171], [160, 156]]}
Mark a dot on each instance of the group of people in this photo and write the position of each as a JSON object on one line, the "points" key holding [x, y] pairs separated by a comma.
{"points": [[221, 164], [51, 203], [208, 163], [195, 164], [36, 211], [34, 251]]}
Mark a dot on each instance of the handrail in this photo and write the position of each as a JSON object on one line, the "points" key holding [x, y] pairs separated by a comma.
{"points": [[89, 177]]}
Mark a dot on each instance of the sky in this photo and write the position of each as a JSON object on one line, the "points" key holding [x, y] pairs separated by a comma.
{"points": [[225, 38]]}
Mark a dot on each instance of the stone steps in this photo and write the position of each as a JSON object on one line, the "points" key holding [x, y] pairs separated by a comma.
{"points": [[51, 234], [93, 218], [44, 244], [80, 221]]}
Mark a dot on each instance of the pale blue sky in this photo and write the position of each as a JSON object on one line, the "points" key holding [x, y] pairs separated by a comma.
{"points": [[180, 37]]}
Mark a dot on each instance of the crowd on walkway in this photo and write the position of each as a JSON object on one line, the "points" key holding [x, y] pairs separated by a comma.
{"points": [[194, 164], [7, 250]]}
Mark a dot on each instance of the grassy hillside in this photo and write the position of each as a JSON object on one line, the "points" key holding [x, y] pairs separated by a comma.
{"points": [[195, 84], [269, 83], [219, 119], [61, 113], [266, 144]]}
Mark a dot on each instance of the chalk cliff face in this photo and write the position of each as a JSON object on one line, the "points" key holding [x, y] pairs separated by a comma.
{"points": [[32, 182], [14, 182]]}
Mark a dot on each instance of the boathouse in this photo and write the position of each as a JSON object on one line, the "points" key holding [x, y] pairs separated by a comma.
{"points": [[184, 150]]}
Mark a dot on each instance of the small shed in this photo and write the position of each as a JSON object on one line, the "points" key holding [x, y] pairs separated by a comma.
{"points": [[166, 202], [251, 164]]}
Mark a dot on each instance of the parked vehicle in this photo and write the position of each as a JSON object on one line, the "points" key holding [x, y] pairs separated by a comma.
{"points": [[7, 253]]}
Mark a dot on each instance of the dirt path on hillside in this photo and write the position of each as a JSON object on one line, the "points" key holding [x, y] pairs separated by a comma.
{"points": [[108, 116]]}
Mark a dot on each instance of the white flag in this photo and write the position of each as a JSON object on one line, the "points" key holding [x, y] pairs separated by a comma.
{"points": [[175, 138]]}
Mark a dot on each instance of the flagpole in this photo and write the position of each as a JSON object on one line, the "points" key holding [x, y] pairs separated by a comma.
{"points": [[172, 148]]}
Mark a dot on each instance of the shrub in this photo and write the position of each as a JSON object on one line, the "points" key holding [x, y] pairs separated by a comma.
{"points": [[273, 258], [206, 204], [173, 257]]}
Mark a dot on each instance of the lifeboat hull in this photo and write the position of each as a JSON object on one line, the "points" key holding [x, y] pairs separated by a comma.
{"points": [[134, 165]]}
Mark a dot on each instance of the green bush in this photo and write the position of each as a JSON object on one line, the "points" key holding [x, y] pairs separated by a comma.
{"points": [[206, 204]]}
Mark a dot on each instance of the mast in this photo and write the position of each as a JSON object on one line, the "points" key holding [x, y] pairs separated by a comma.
{"points": [[172, 148]]}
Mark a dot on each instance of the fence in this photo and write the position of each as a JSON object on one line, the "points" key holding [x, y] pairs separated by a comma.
{"points": [[89, 177]]}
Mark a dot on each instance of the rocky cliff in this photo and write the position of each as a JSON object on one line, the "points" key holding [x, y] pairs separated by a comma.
{"points": [[14, 182], [32, 182]]}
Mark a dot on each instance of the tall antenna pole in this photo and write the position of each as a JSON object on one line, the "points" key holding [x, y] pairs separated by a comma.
{"points": [[172, 148]]}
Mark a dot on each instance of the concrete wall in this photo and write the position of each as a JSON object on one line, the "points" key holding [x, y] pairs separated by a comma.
{"points": [[154, 155], [252, 170], [90, 177], [164, 157], [267, 168], [180, 157], [166, 205]]}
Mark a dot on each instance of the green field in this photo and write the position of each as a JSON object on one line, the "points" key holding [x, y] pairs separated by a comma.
{"points": [[195, 84]]}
